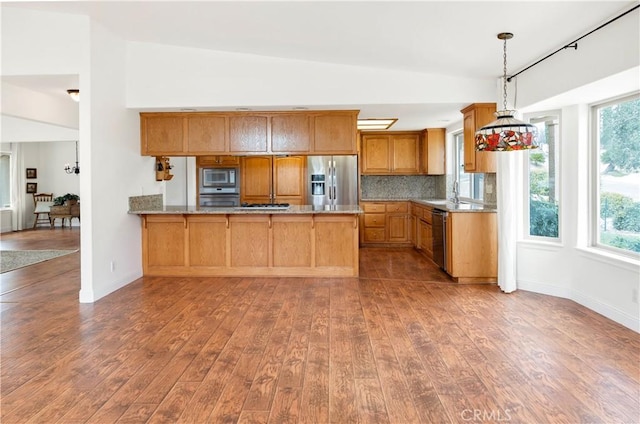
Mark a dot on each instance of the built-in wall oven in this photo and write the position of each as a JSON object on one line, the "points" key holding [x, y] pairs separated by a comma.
{"points": [[219, 187]]}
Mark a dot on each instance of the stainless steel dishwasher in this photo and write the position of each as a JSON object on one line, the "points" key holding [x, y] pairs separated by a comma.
{"points": [[439, 225]]}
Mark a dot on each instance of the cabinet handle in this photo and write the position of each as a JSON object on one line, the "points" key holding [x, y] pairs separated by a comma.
{"points": [[144, 221], [313, 223], [355, 222], [184, 218], [270, 221], [227, 219]]}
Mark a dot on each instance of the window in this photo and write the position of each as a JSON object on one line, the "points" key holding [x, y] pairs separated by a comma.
{"points": [[470, 185], [5, 180], [616, 175], [542, 177]]}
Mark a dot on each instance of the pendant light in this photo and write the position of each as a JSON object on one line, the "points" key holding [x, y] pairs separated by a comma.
{"points": [[506, 133]]}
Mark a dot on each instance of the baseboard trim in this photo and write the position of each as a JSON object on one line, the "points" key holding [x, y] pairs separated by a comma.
{"points": [[611, 312]]}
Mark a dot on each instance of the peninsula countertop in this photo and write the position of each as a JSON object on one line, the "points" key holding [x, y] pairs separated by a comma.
{"points": [[292, 209]]}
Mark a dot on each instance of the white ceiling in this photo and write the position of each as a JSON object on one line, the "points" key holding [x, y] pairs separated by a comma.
{"points": [[435, 37]]}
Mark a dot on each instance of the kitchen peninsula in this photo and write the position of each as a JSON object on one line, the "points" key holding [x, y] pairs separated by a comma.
{"points": [[296, 241]]}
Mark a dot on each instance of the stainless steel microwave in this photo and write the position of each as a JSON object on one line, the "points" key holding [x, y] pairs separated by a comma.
{"points": [[218, 177]]}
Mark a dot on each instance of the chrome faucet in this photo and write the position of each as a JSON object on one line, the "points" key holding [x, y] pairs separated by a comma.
{"points": [[455, 199]]}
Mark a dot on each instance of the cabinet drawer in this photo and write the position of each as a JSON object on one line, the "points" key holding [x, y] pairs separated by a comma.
{"points": [[373, 207], [374, 220], [374, 235], [426, 215], [397, 207]]}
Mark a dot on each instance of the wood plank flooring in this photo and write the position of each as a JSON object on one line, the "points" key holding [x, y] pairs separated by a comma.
{"points": [[401, 344]]}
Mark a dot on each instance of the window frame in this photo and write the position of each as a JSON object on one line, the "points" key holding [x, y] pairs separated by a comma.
{"points": [[531, 118], [458, 166], [594, 180]]}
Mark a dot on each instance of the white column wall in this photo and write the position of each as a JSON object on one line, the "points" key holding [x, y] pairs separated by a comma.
{"points": [[116, 171]]}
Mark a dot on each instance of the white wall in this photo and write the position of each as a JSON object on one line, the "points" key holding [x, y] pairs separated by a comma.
{"points": [[117, 171], [604, 66], [167, 76]]}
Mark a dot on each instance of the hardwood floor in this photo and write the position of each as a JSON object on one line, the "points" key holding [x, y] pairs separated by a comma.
{"points": [[400, 344]]}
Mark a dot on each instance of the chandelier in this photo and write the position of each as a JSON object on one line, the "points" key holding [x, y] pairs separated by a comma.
{"points": [[506, 133], [73, 169]]}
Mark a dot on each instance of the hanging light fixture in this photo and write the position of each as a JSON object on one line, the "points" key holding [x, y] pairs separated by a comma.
{"points": [[73, 169], [506, 133]]}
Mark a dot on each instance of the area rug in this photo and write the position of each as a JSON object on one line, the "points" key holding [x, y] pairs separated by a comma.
{"points": [[14, 259]]}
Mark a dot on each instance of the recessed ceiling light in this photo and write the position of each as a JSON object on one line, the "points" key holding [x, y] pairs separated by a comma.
{"points": [[74, 94], [376, 123]]}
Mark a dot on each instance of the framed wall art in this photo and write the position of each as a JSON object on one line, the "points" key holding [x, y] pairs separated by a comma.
{"points": [[32, 173], [32, 187]]}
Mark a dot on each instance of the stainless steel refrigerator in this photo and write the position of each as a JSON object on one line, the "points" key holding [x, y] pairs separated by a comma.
{"points": [[332, 180]]}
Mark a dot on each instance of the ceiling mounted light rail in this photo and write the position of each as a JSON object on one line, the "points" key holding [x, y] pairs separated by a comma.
{"points": [[506, 133]]}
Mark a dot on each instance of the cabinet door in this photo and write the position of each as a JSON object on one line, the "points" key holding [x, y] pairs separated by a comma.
{"points": [[376, 154], [433, 151], [165, 241], [397, 228], [292, 240], [248, 134], [207, 240], [249, 240], [405, 154], [290, 133], [336, 238], [206, 134], [227, 160], [335, 133], [162, 134], [255, 179], [476, 116], [289, 175]]}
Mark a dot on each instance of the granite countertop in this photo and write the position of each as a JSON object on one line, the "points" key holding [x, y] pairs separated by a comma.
{"points": [[443, 204], [293, 209]]}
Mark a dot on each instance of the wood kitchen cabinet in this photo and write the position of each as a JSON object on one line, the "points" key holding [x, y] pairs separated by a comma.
{"points": [[432, 151], [423, 240], [291, 133], [248, 133], [385, 223], [266, 179], [164, 243], [206, 134], [334, 132], [390, 153], [162, 134], [238, 244], [217, 161], [212, 133], [475, 116], [472, 246]]}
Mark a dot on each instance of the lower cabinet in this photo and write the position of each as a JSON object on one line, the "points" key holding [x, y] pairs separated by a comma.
{"points": [[385, 223], [472, 247], [423, 240], [250, 245]]}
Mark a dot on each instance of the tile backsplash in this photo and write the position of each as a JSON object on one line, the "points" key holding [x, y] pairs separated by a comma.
{"points": [[380, 187]]}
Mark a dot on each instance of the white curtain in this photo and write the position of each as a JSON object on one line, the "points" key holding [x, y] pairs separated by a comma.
{"points": [[509, 194], [18, 182]]}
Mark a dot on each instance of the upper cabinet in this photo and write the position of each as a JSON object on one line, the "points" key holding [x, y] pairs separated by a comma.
{"points": [[390, 153], [162, 134], [210, 133], [335, 132], [475, 116], [432, 151], [403, 153]]}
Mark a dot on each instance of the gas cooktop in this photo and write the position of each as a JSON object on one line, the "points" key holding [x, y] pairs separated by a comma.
{"points": [[264, 205]]}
